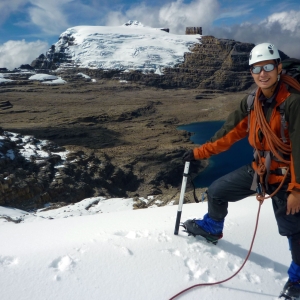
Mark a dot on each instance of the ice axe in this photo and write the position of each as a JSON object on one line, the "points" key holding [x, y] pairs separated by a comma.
{"points": [[183, 187]]}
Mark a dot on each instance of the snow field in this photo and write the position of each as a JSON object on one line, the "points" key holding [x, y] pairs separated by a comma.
{"points": [[133, 254]]}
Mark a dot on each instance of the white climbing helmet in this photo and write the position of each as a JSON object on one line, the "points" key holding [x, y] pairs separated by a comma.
{"points": [[264, 51]]}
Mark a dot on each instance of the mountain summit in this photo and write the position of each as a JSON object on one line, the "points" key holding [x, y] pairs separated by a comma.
{"points": [[133, 23], [131, 46]]}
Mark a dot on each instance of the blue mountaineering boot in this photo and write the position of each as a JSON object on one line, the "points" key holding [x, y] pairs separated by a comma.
{"points": [[291, 289], [210, 229]]}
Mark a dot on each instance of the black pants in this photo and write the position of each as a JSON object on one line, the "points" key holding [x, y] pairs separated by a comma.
{"points": [[235, 186]]}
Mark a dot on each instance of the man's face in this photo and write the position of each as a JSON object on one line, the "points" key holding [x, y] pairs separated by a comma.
{"points": [[266, 79]]}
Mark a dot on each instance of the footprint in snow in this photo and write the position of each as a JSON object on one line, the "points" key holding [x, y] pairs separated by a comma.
{"points": [[232, 267], [195, 270], [253, 278], [62, 264], [175, 252], [163, 237], [133, 234], [57, 278], [8, 261], [82, 249], [124, 250]]}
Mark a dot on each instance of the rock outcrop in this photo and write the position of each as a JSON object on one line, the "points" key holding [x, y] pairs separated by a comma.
{"points": [[29, 183], [55, 55], [63, 177]]}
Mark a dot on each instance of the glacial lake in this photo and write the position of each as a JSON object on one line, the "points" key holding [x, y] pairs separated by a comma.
{"points": [[238, 155]]}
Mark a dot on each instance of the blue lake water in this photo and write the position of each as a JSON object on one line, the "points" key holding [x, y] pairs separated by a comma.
{"points": [[238, 155]]}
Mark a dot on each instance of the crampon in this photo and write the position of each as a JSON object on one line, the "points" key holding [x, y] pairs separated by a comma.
{"points": [[285, 297], [193, 229], [291, 291]]}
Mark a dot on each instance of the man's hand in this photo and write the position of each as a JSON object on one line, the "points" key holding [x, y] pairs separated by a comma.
{"points": [[188, 155], [293, 203]]}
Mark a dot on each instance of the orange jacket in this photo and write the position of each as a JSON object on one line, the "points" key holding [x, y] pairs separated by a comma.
{"points": [[236, 125]]}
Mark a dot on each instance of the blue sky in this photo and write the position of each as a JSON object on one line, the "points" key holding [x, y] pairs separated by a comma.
{"points": [[29, 27]]}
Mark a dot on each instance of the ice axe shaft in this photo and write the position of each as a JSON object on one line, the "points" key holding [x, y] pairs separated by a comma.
{"points": [[183, 187]]}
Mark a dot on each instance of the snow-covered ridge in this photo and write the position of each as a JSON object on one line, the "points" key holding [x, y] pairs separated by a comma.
{"points": [[131, 46], [86, 207]]}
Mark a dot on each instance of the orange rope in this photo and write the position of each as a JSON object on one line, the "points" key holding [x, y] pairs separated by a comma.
{"points": [[275, 144]]}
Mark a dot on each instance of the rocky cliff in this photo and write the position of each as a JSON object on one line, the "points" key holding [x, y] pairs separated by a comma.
{"points": [[54, 57], [31, 182], [215, 64]]}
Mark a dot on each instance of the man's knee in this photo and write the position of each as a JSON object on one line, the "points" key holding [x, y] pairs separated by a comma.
{"points": [[215, 190], [217, 209]]}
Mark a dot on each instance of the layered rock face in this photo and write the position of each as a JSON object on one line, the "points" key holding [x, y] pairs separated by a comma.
{"points": [[215, 64], [54, 57], [219, 64]]}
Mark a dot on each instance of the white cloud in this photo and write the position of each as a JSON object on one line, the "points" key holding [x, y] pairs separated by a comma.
{"points": [[281, 29], [146, 14], [175, 15], [238, 11], [49, 16], [8, 6], [284, 31], [116, 18], [178, 15], [288, 20], [15, 53]]}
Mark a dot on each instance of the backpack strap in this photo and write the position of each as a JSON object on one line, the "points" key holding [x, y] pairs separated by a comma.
{"points": [[283, 122], [250, 102]]}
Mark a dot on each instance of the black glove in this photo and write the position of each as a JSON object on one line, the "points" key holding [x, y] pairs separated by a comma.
{"points": [[188, 155]]}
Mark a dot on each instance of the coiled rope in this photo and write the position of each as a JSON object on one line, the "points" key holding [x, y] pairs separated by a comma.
{"points": [[275, 144]]}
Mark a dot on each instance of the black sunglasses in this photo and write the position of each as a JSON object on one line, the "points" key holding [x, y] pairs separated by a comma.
{"points": [[258, 69]]}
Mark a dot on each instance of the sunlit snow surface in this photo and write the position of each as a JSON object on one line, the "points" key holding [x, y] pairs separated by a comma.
{"points": [[47, 79], [122, 253], [5, 80], [125, 47]]}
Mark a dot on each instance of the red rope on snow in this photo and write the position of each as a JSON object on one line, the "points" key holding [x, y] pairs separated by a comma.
{"points": [[222, 281]]}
